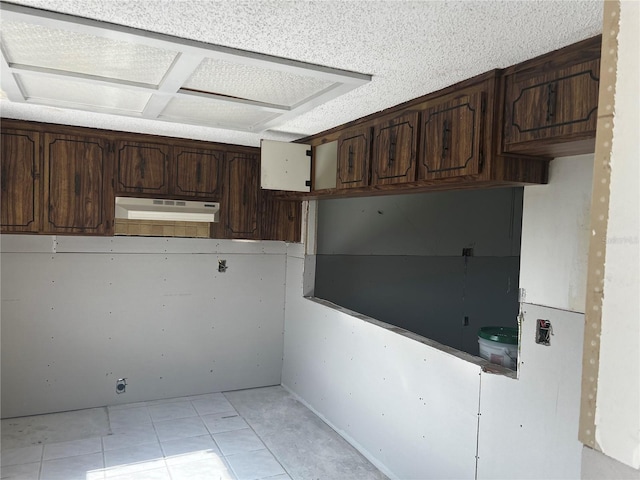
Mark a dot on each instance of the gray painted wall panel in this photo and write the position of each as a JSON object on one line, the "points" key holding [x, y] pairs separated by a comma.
{"points": [[490, 296], [424, 224], [399, 259], [426, 295]]}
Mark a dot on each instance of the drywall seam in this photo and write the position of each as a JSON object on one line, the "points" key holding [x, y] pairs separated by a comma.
{"points": [[599, 221]]}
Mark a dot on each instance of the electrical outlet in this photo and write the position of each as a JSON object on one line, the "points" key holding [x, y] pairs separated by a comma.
{"points": [[121, 385]]}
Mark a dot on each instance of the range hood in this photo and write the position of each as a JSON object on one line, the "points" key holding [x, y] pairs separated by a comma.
{"points": [[171, 210]]}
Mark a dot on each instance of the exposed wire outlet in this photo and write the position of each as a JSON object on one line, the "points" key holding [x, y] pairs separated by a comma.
{"points": [[121, 385]]}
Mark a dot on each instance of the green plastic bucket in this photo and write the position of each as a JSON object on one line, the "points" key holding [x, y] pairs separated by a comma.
{"points": [[499, 345]]}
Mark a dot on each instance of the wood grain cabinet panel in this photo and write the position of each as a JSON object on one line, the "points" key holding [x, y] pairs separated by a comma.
{"points": [[142, 168], [78, 196], [241, 202], [543, 108], [197, 173], [279, 219], [452, 137], [394, 150], [353, 159], [20, 181]]}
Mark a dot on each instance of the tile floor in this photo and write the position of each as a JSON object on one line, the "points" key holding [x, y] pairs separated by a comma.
{"points": [[262, 433]]}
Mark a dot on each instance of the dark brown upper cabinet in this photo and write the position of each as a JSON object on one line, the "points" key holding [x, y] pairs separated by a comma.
{"points": [[78, 194], [59, 179], [353, 158], [197, 172], [241, 199], [20, 177], [551, 107], [395, 144], [452, 133], [142, 167], [163, 169], [279, 218]]}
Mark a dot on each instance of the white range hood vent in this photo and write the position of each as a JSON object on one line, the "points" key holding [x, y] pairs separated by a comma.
{"points": [[168, 210]]}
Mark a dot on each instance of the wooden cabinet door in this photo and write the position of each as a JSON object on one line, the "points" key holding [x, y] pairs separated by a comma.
{"points": [[394, 150], [452, 132], [20, 163], [197, 173], [353, 159], [78, 197], [546, 107], [280, 219], [142, 168], [241, 204]]}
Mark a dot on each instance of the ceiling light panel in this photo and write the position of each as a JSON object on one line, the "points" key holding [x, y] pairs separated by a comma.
{"points": [[69, 93], [34, 45], [253, 82], [73, 62], [215, 113]]}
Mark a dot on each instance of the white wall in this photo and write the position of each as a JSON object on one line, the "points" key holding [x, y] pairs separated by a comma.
{"points": [[153, 310], [542, 431], [412, 408], [555, 235], [350, 370], [617, 415], [529, 427]]}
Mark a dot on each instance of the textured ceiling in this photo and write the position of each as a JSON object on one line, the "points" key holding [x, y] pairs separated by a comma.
{"points": [[410, 48]]}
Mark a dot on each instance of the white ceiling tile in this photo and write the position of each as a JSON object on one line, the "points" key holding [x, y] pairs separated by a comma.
{"points": [[254, 83], [215, 113], [69, 93], [40, 46]]}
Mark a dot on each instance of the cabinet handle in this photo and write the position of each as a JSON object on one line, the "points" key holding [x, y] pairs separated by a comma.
{"points": [[198, 172], [445, 139], [3, 180], [244, 197], [392, 150], [551, 101], [350, 158], [143, 166], [77, 183]]}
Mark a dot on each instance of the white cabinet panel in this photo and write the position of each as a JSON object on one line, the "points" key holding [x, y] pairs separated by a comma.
{"points": [[285, 166]]}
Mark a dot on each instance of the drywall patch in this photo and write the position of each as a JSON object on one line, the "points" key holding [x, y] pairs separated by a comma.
{"points": [[599, 221]]}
